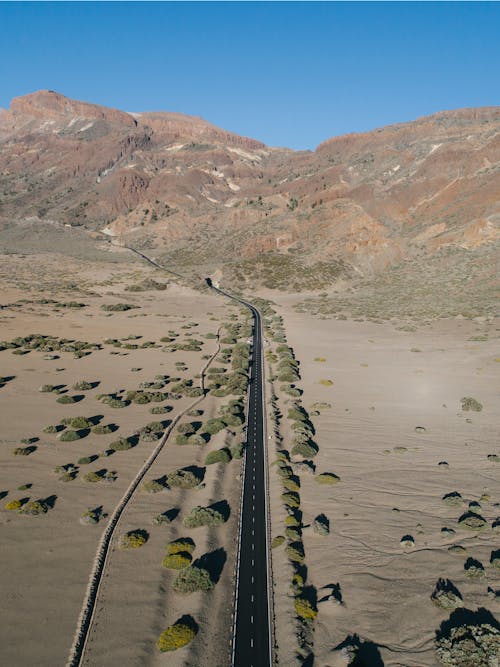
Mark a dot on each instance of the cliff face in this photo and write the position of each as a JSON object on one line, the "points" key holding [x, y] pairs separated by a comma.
{"points": [[178, 183]]}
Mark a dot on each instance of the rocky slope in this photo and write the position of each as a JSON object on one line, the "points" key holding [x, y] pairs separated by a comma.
{"points": [[201, 196]]}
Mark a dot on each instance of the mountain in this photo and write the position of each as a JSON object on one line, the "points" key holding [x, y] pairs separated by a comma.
{"points": [[200, 196]]}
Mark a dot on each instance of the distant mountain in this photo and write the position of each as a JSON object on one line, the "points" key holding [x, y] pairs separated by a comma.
{"points": [[201, 196]]}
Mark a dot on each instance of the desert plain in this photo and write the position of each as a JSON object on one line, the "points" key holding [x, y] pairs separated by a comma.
{"points": [[408, 458], [47, 558]]}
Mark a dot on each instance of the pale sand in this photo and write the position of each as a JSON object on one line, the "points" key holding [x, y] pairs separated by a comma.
{"points": [[46, 560], [381, 391]]}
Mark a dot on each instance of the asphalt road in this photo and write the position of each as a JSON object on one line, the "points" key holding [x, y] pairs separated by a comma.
{"points": [[252, 640]]}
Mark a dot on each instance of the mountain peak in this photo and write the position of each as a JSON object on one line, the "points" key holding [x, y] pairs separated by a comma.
{"points": [[50, 104]]}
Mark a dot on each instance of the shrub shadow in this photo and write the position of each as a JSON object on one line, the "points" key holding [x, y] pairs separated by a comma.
{"points": [[464, 616], [197, 471], [188, 620], [213, 562], [366, 653], [222, 506], [335, 591]]}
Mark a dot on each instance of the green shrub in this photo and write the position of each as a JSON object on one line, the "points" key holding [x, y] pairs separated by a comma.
{"points": [[35, 507], [185, 478], [297, 414], [53, 428], [71, 435], [203, 516], [196, 439], [176, 636], [291, 390], [14, 504], [85, 460], [122, 444], [152, 431], [327, 478], [297, 582], [305, 609], [82, 385], [155, 485], [284, 470], [90, 517], [291, 499], [469, 403], [293, 534], [46, 388], [65, 399], [160, 409], [192, 579], [181, 545], [133, 539], [469, 645], [305, 449], [117, 307], [68, 476], [185, 428], [24, 451], [237, 450], [292, 520], [222, 455], [213, 426], [117, 403], [177, 561], [102, 430], [78, 422], [472, 521], [100, 475], [291, 484], [277, 541], [453, 498], [295, 552]]}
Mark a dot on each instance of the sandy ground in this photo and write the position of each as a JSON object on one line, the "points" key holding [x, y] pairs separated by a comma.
{"points": [[385, 384], [46, 560]]}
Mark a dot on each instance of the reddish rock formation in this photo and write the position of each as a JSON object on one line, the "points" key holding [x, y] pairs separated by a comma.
{"points": [[178, 182]]}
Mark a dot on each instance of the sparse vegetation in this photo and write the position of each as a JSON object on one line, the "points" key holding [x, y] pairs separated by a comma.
{"points": [[469, 645], [191, 579], [186, 478], [203, 516], [133, 539], [175, 637], [327, 478], [70, 435], [222, 455], [469, 403], [305, 609], [117, 307]]}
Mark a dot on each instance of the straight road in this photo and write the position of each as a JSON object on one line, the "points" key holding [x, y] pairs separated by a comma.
{"points": [[252, 631]]}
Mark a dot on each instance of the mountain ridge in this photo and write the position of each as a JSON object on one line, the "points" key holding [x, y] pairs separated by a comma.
{"points": [[202, 196]]}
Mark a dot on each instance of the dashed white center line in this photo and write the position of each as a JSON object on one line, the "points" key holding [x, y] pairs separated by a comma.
{"points": [[251, 643]]}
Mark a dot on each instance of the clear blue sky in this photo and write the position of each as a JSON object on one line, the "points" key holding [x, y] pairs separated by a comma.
{"points": [[289, 74]]}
